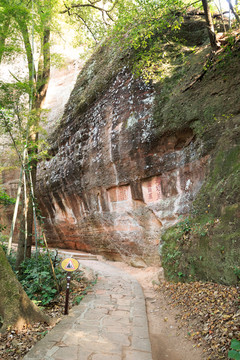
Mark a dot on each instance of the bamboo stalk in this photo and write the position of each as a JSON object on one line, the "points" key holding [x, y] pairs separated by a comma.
{"points": [[15, 212], [53, 271], [25, 214], [34, 210]]}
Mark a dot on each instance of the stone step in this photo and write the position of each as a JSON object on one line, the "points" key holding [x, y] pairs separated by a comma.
{"points": [[66, 253], [78, 255]]}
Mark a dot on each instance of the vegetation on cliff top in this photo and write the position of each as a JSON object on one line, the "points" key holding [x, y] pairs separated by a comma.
{"points": [[137, 41]]}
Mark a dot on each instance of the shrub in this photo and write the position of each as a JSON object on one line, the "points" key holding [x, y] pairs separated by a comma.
{"points": [[36, 277]]}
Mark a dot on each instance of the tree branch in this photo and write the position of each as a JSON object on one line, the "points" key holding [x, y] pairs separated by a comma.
{"points": [[7, 127], [84, 22], [92, 5], [28, 48], [3, 37], [74, 6], [233, 11]]}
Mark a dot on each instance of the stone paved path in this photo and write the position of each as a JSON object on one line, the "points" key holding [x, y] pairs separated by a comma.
{"points": [[109, 324]]}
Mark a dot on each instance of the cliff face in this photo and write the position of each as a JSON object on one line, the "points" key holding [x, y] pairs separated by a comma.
{"points": [[128, 157], [114, 184], [111, 188]]}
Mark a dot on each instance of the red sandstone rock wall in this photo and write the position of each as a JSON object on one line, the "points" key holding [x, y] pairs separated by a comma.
{"points": [[113, 185], [9, 180]]}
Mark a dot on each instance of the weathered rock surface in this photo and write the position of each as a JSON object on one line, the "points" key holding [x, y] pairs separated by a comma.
{"points": [[60, 86], [113, 185], [9, 179], [128, 157]]}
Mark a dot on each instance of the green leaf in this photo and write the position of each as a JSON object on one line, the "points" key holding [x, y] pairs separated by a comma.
{"points": [[235, 344], [232, 354]]}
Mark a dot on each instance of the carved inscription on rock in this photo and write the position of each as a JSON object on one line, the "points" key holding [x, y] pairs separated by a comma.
{"points": [[152, 190], [121, 193], [120, 197]]}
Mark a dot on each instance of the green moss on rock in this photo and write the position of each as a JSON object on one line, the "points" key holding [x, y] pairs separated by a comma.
{"points": [[208, 248]]}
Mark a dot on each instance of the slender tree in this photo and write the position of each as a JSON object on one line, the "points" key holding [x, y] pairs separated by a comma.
{"points": [[30, 20], [210, 27], [233, 11]]}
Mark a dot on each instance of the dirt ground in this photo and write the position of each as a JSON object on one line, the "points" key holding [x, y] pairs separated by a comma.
{"points": [[168, 340]]}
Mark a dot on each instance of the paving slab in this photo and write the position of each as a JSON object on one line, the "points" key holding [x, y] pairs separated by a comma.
{"points": [[108, 324]]}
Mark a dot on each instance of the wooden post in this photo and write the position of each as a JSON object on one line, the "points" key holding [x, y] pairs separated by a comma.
{"points": [[67, 294], [69, 265]]}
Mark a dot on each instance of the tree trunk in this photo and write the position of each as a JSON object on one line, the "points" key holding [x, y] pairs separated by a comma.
{"points": [[31, 185], [27, 43], [16, 309], [41, 91], [21, 242], [233, 11], [39, 94], [3, 36], [211, 33]]}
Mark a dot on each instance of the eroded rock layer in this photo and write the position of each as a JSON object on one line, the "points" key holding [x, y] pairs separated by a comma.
{"points": [[113, 185]]}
